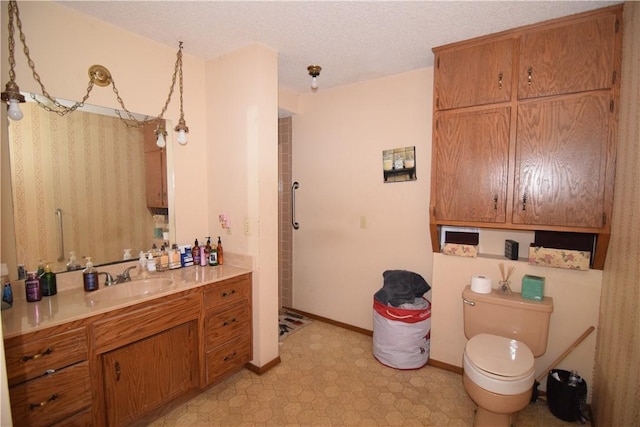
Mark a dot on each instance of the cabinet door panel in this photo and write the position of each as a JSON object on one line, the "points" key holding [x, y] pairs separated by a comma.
{"points": [[471, 156], [567, 59], [476, 75], [561, 158], [144, 375]]}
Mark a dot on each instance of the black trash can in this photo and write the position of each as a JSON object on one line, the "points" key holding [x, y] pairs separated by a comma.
{"points": [[565, 401]]}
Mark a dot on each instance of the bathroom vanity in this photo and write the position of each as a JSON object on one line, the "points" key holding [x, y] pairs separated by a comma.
{"points": [[113, 357]]}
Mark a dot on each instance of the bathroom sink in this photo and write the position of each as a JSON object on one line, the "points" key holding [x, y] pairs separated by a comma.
{"points": [[131, 289]]}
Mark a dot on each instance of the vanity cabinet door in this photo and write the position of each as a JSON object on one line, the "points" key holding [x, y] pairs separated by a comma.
{"points": [[470, 160], [144, 375], [476, 75]]}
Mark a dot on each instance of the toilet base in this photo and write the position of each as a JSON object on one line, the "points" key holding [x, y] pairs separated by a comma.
{"points": [[494, 410]]}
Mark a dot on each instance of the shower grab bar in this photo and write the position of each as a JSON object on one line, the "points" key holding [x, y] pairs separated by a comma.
{"points": [[294, 187], [61, 234]]}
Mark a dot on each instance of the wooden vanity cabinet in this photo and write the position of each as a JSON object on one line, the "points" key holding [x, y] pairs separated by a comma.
{"points": [[543, 156], [227, 327], [48, 376], [155, 167], [148, 356]]}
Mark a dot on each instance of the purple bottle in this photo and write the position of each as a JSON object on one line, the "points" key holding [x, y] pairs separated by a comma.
{"points": [[32, 287]]}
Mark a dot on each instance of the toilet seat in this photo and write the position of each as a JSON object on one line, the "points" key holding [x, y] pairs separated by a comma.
{"points": [[498, 364]]}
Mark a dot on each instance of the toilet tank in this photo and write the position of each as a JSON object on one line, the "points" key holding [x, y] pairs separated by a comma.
{"points": [[509, 316]]}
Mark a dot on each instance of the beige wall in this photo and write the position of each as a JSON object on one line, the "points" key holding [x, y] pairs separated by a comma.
{"points": [[338, 139], [242, 175], [617, 378]]}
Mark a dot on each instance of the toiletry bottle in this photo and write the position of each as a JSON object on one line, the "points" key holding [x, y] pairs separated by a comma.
{"points": [[142, 262], [203, 255], [48, 285], [90, 277], [7, 292], [164, 260], [213, 257], [40, 271], [207, 252], [73, 263], [220, 252], [174, 257], [151, 262], [195, 253], [32, 287]]}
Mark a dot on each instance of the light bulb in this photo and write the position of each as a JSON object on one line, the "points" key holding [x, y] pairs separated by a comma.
{"points": [[314, 82], [182, 137], [14, 111], [161, 142]]}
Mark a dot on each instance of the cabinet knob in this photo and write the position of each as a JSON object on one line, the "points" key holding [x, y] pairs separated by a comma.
{"points": [[495, 202], [51, 398], [228, 322], [226, 294], [524, 202], [530, 76], [500, 80], [37, 355], [118, 371]]}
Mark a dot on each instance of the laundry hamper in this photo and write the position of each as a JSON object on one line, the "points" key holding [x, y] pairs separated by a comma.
{"points": [[401, 336]]}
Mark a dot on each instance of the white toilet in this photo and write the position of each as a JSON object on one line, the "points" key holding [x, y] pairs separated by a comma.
{"points": [[505, 333]]}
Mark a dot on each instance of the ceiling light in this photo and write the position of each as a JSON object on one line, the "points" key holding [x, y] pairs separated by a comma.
{"points": [[314, 72]]}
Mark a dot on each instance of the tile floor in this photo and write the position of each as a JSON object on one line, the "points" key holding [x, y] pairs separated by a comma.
{"points": [[329, 377]]}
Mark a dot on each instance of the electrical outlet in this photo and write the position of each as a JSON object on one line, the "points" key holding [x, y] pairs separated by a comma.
{"points": [[247, 229]]}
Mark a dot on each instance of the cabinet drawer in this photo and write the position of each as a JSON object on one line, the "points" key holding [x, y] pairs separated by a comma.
{"points": [[227, 292], [26, 360], [81, 419], [223, 326], [51, 398], [228, 358], [124, 329]]}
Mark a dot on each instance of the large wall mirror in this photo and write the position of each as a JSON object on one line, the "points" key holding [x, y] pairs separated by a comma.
{"points": [[82, 183]]}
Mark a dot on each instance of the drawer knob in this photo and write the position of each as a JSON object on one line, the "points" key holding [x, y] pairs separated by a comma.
{"points": [[228, 322], [37, 355], [33, 406], [231, 356], [227, 294]]}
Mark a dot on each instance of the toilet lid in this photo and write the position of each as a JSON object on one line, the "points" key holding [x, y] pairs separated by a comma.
{"points": [[499, 355]]}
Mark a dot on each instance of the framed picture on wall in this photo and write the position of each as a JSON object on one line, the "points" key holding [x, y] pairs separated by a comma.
{"points": [[399, 164]]}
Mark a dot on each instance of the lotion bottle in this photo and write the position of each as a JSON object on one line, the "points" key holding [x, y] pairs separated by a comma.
{"points": [[195, 253]]}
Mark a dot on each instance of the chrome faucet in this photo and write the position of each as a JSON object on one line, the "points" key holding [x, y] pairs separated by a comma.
{"points": [[125, 277], [120, 278], [109, 278]]}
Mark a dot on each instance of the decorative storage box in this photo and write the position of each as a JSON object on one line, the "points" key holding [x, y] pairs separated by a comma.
{"points": [[459, 249], [533, 287], [561, 258]]}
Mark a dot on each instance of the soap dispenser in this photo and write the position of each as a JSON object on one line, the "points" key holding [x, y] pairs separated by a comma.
{"points": [[90, 277], [73, 263]]}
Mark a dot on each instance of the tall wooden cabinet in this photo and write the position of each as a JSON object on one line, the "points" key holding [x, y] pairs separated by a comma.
{"points": [[525, 126]]}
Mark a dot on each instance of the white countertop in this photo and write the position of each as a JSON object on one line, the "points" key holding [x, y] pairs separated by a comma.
{"points": [[74, 303]]}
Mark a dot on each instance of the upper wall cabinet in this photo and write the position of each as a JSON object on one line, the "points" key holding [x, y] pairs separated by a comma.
{"points": [[568, 58], [475, 75], [540, 156]]}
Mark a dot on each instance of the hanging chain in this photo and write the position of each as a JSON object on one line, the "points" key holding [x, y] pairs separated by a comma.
{"points": [[13, 6], [62, 110], [132, 121]]}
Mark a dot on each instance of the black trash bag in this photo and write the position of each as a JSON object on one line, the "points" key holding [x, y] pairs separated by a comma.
{"points": [[401, 287]]}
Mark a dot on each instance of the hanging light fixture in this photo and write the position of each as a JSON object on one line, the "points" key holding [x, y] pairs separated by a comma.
{"points": [[98, 75], [314, 72]]}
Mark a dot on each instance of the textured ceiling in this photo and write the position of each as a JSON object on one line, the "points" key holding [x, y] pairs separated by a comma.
{"points": [[353, 41]]}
